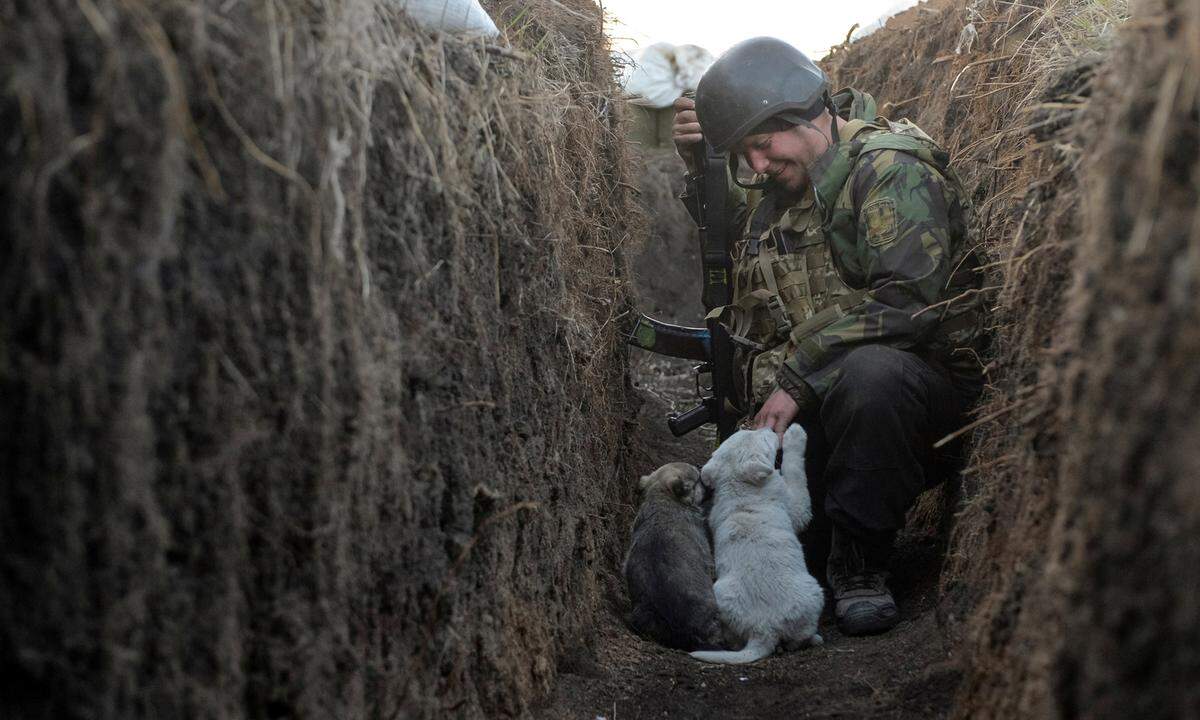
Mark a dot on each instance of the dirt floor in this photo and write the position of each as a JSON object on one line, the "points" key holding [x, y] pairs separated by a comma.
{"points": [[907, 673]]}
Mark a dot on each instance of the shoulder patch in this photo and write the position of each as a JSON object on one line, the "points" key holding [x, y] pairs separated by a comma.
{"points": [[880, 216]]}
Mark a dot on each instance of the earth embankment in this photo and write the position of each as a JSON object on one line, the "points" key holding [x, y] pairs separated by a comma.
{"points": [[1068, 582], [314, 395]]}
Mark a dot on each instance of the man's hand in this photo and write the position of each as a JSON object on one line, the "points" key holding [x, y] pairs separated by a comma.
{"points": [[777, 413], [685, 131]]}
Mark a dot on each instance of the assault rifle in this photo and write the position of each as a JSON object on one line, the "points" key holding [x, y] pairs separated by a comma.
{"points": [[711, 344]]}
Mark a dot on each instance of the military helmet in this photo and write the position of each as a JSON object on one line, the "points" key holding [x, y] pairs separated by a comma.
{"points": [[755, 80]]}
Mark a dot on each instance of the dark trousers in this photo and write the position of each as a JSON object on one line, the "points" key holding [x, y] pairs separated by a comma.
{"points": [[870, 445]]}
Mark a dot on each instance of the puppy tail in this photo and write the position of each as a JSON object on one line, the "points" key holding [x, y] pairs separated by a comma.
{"points": [[756, 649]]}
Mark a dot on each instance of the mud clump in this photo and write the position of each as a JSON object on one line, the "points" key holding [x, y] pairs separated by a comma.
{"points": [[314, 391]]}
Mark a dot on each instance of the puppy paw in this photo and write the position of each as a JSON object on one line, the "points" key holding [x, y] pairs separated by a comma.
{"points": [[794, 440], [816, 640]]}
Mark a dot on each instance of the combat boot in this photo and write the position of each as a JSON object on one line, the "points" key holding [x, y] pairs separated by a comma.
{"points": [[858, 578]]}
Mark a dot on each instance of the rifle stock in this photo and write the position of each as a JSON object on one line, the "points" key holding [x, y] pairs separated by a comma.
{"points": [[713, 223], [712, 343]]}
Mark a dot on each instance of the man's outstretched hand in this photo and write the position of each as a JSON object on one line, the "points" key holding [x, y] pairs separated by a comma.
{"points": [[777, 412]]}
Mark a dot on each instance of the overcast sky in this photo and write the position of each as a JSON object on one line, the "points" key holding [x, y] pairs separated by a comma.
{"points": [[811, 25]]}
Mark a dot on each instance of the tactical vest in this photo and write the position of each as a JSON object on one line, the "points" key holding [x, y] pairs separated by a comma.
{"points": [[786, 283]]}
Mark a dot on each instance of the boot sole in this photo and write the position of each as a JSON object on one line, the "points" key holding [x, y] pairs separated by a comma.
{"points": [[864, 626]]}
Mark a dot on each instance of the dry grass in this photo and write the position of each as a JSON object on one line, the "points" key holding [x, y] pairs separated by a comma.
{"points": [[313, 385], [1063, 31]]}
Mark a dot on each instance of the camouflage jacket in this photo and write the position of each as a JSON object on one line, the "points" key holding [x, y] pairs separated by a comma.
{"points": [[871, 254]]}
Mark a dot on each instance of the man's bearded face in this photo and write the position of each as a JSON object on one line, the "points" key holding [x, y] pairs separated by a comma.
{"points": [[784, 155]]}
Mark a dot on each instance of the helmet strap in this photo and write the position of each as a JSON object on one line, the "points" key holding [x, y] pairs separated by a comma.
{"points": [[733, 173], [833, 118]]}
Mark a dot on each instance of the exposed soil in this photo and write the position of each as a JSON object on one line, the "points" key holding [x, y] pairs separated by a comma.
{"points": [[900, 675], [666, 268], [314, 399]]}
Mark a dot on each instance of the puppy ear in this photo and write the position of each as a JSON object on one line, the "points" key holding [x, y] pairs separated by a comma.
{"points": [[645, 482], [678, 486], [701, 493], [757, 472]]}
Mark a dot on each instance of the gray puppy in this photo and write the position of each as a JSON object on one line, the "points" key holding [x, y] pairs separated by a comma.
{"points": [[669, 569]]}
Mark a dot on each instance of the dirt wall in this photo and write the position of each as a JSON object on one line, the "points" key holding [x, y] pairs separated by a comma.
{"points": [[313, 394], [666, 267], [1108, 626], [1070, 576]]}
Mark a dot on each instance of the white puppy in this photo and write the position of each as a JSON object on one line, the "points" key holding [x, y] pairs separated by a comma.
{"points": [[763, 588]]}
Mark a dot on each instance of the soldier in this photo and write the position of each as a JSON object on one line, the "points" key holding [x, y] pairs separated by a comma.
{"points": [[852, 309]]}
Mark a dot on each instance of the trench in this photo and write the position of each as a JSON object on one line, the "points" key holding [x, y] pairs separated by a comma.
{"points": [[315, 403], [906, 673]]}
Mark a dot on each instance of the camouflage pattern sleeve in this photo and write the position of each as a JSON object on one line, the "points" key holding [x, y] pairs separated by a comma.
{"points": [[893, 240]]}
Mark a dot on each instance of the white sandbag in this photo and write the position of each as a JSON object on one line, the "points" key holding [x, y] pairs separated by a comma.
{"points": [[691, 61], [454, 16], [665, 71], [652, 81]]}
